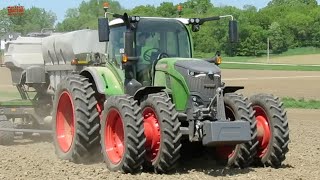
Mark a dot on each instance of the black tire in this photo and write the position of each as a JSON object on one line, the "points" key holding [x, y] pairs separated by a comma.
{"points": [[126, 109], [6, 137], [272, 108], [168, 153], [85, 145], [238, 108]]}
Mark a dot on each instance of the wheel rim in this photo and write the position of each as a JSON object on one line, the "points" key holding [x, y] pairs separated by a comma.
{"points": [[65, 121], [263, 127], [227, 151], [114, 136], [152, 133]]}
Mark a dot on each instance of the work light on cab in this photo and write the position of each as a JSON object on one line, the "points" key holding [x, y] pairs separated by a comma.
{"points": [[124, 58]]}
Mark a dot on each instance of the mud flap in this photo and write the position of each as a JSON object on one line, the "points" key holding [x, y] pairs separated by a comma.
{"points": [[225, 132]]}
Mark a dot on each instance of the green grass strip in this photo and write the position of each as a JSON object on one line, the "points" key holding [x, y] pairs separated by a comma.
{"points": [[301, 103], [269, 67]]}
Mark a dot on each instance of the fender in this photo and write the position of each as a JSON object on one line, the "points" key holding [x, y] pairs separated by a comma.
{"points": [[104, 80], [232, 89], [147, 90]]}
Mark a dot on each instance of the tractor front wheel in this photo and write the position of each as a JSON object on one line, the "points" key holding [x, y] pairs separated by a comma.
{"points": [[162, 131], [122, 137], [273, 130], [241, 155], [75, 120]]}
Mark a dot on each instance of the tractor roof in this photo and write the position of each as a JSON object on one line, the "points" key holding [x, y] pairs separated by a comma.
{"points": [[120, 21]]}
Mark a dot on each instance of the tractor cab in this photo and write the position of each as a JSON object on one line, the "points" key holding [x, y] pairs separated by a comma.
{"points": [[136, 44], [153, 39]]}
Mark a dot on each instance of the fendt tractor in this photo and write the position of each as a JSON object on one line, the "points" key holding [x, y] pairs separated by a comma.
{"points": [[144, 99]]}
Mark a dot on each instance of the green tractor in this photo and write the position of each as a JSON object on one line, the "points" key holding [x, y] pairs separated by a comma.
{"points": [[151, 96]]}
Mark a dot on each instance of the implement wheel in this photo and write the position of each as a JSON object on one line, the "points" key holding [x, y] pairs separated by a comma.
{"points": [[122, 137], [241, 155], [273, 130], [6, 137], [162, 131], [75, 120]]}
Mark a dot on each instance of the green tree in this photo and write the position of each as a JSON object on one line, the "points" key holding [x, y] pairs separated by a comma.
{"points": [[198, 6], [277, 38], [252, 40], [86, 15], [167, 9], [33, 20], [5, 22], [144, 11]]}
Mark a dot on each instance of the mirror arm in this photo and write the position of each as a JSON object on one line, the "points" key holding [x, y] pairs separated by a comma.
{"points": [[226, 16], [215, 18]]}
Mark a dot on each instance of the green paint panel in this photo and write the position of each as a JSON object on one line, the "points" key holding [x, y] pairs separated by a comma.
{"points": [[179, 88], [112, 79], [16, 103]]}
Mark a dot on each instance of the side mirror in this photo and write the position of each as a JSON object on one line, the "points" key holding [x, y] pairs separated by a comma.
{"points": [[233, 31], [103, 29]]}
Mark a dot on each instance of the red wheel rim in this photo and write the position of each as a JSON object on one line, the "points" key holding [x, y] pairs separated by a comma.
{"points": [[227, 151], [114, 136], [152, 133], [65, 121], [263, 127]]}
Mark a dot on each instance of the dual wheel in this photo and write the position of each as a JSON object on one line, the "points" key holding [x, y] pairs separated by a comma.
{"points": [[129, 136], [135, 136], [269, 131]]}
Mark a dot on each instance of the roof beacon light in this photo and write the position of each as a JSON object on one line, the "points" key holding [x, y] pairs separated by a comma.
{"points": [[106, 6], [179, 8]]}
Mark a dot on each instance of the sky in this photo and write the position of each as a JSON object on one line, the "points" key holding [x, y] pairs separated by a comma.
{"points": [[60, 6]]}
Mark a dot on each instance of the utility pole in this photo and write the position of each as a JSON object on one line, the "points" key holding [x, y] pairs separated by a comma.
{"points": [[268, 51]]}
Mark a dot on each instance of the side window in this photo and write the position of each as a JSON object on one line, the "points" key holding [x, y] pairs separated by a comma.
{"points": [[116, 42], [184, 48], [172, 44]]}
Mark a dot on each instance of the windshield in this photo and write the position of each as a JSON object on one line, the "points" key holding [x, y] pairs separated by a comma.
{"points": [[159, 38], [163, 35]]}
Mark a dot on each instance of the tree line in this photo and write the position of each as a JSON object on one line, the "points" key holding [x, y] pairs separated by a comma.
{"points": [[286, 23]]}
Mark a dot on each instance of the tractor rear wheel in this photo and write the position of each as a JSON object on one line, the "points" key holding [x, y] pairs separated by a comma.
{"points": [[122, 137], [273, 130], [162, 131], [241, 155], [76, 120], [6, 137]]}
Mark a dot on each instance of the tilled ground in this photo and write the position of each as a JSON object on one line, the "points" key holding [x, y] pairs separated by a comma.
{"points": [[36, 160], [295, 84]]}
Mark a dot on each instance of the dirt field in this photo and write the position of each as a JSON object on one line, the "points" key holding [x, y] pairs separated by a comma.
{"points": [[29, 160], [36, 160], [298, 59], [297, 84]]}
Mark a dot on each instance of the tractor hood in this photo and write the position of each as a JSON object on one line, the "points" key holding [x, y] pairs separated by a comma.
{"points": [[198, 66]]}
